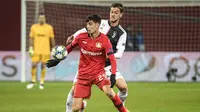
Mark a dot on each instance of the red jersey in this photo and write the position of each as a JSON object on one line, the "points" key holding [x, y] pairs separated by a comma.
{"points": [[92, 54]]}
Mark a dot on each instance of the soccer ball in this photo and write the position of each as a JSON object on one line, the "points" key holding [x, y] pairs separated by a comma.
{"points": [[59, 52]]}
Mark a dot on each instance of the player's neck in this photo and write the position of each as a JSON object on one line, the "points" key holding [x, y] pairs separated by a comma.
{"points": [[95, 35], [41, 24]]}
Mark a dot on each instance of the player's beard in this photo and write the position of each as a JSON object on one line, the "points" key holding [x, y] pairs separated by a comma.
{"points": [[42, 22], [115, 20], [89, 32], [94, 34]]}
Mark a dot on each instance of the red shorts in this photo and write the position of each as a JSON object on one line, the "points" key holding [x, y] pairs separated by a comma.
{"points": [[83, 86]]}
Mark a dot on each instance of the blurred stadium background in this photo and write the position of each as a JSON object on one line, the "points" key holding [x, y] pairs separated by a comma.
{"points": [[163, 78]]}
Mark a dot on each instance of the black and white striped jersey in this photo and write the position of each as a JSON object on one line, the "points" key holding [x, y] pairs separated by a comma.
{"points": [[117, 35]]}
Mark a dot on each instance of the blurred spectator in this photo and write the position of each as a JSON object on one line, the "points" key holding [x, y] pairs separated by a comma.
{"points": [[139, 39], [130, 39], [135, 40]]}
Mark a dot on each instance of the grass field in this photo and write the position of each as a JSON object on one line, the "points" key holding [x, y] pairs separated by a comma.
{"points": [[143, 97]]}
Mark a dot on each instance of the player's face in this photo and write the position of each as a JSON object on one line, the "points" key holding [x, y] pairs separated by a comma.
{"points": [[41, 19], [115, 14], [92, 27]]}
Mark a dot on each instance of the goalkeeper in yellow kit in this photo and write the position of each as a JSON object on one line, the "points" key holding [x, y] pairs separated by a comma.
{"points": [[41, 34]]}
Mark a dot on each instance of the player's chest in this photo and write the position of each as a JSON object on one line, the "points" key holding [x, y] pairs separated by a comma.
{"points": [[41, 31], [113, 33], [91, 45]]}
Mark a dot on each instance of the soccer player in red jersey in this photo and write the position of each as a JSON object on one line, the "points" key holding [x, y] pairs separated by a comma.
{"points": [[117, 36], [94, 48]]}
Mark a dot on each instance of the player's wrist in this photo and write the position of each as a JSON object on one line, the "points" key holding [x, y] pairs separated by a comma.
{"points": [[52, 63], [113, 74], [57, 60], [30, 47], [112, 80], [31, 51]]}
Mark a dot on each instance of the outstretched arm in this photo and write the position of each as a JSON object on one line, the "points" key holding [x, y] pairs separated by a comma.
{"points": [[110, 55], [113, 68], [72, 45], [71, 38], [54, 62], [113, 63]]}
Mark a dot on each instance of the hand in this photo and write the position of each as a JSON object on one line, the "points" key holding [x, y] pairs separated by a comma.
{"points": [[52, 63], [69, 40], [31, 51], [112, 80]]}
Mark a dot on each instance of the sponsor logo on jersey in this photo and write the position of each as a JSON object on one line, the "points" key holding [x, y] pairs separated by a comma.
{"points": [[41, 35], [91, 53], [114, 34], [98, 45], [84, 42], [102, 26]]}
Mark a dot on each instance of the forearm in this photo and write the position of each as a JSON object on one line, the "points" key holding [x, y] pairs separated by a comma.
{"points": [[70, 47], [53, 43], [73, 44], [30, 42], [113, 63], [119, 54]]}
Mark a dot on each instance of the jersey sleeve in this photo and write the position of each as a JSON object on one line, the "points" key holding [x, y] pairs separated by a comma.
{"points": [[51, 32], [121, 45], [110, 55], [31, 34], [73, 44], [83, 30], [75, 41], [108, 47]]}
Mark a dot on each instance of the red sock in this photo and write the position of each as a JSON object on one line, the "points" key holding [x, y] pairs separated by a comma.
{"points": [[118, 104]]}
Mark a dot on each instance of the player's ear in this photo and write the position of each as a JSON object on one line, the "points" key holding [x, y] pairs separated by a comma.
{"points": [[98, 25]]}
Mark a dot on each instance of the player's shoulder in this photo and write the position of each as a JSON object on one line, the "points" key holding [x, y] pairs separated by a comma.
{"points": [[121, 28], [104, 37], [82, 35], [104, 21], [49, 25], [34, 25]]}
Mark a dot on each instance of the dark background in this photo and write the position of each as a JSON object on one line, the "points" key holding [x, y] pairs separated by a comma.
{"points": [[10, 22]]}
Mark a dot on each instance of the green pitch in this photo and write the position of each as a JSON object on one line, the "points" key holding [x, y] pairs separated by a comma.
{"points": [[143, 97]]}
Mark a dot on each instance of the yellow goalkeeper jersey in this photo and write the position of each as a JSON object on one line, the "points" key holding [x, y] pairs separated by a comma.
{"points": [[41, 35]]}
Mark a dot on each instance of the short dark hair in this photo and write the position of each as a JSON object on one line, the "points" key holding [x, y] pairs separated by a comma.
{"points": [[96, 18], [118, 5]]}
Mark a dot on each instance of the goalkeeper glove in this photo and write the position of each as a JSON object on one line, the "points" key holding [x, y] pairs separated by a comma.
{"points": [[52, 63], [112, 80], [31, 51]]}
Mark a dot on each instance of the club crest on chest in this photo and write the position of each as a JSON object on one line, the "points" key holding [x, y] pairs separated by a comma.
{"points": [[99, 45]]}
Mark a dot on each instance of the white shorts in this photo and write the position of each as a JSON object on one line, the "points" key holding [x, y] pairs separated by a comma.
{"points": [[108, 73]]}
